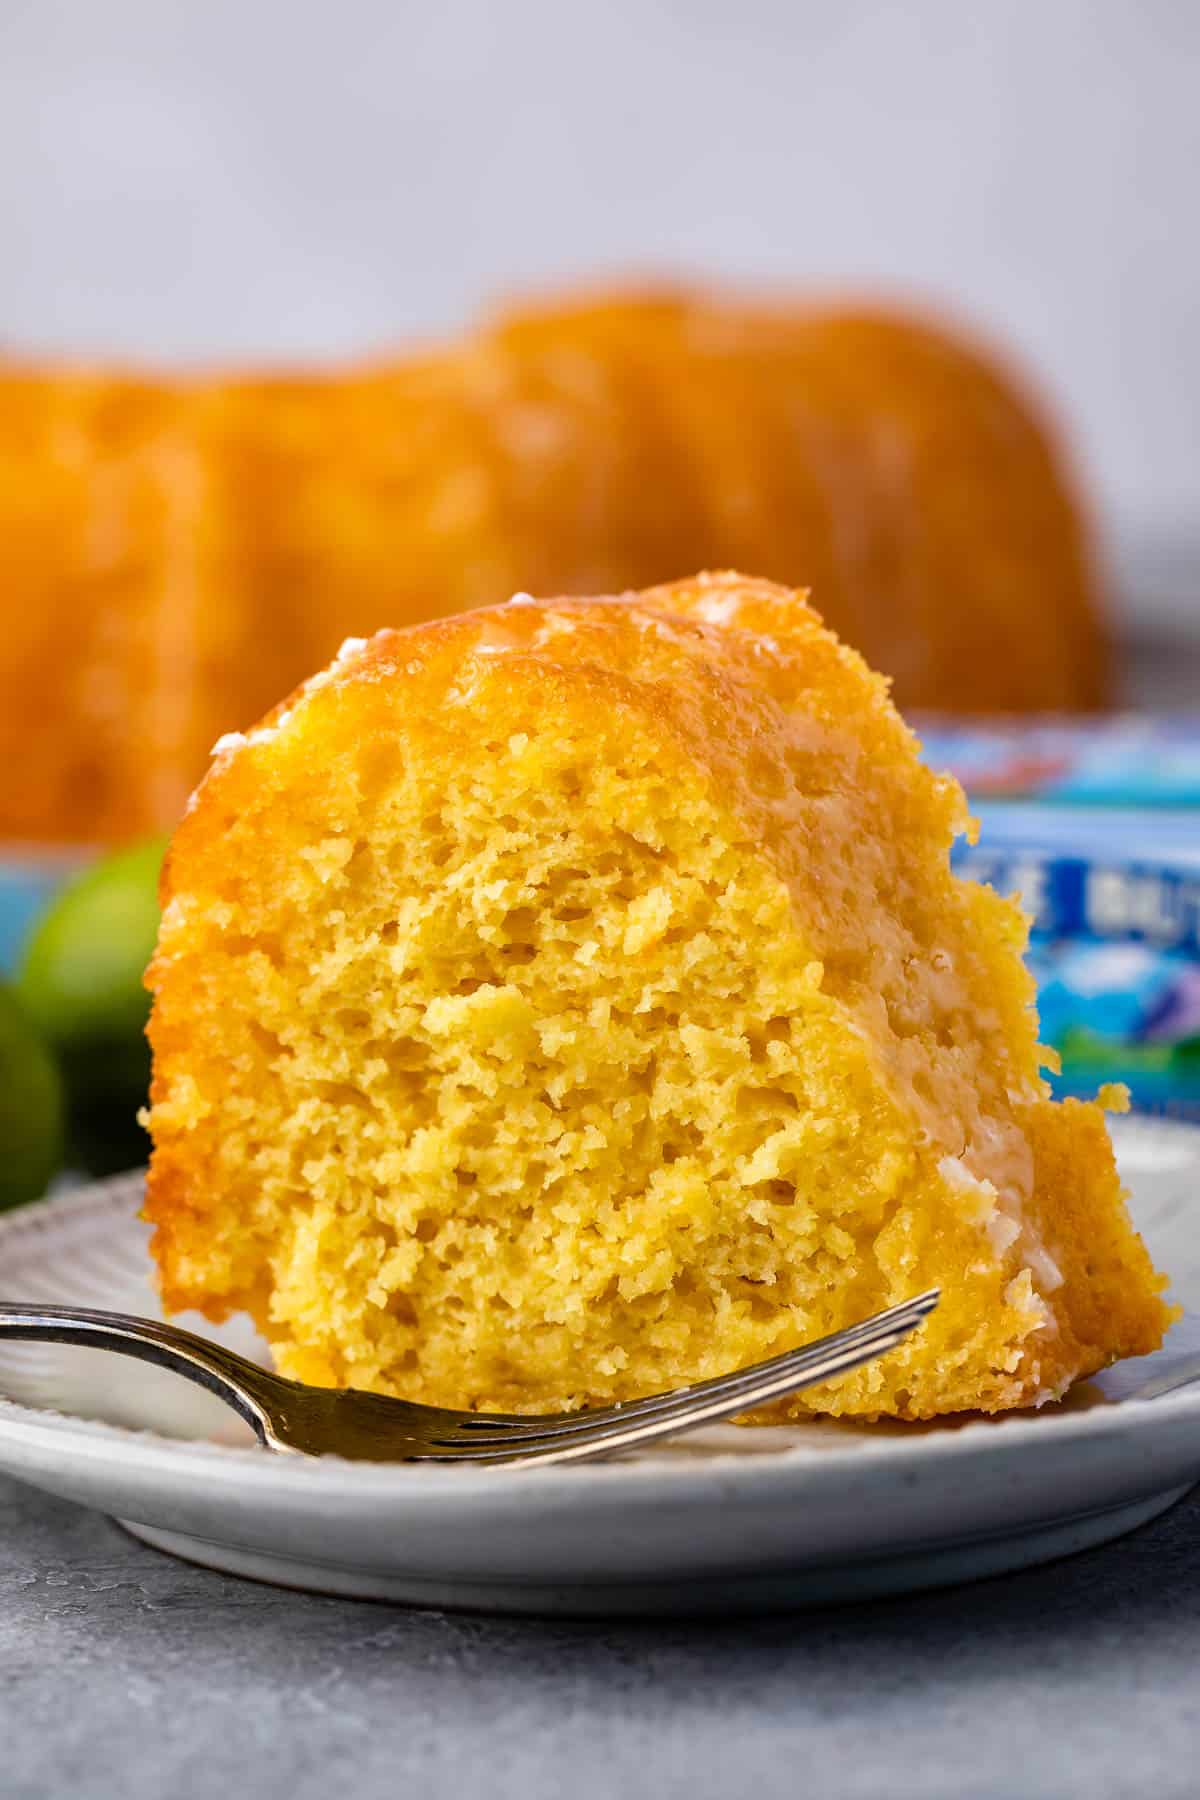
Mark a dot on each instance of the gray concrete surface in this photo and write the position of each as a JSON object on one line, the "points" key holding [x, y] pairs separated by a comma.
{"points": [[125, 1674]]}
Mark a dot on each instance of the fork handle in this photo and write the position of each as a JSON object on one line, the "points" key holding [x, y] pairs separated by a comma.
{"points": [[232, 1378]]}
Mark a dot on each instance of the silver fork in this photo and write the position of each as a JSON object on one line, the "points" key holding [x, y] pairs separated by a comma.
{"points": [[290, 1416]]}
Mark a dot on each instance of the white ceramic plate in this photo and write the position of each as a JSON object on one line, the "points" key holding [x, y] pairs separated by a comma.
{"points": [[726, 1520]]}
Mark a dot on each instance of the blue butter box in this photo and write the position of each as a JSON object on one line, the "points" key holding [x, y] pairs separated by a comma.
{"points": [[1096, 826]]}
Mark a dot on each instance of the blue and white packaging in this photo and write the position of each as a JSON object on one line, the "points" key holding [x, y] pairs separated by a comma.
{"points": [[1096, 826]]}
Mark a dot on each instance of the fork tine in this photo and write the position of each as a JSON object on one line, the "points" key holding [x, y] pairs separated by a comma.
{"points": [[739, 1391], [713, 1410], [616, 1436], [477, 1433], [570, 1424]]}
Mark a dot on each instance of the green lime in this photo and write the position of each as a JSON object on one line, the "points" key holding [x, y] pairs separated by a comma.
{"points": [[31, 1106], [80, 979], [81, 973]]}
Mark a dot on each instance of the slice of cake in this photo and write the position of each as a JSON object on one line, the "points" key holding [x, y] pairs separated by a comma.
{"points": [[570, 1000]]}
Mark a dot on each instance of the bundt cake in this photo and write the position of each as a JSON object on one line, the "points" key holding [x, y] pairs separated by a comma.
{"points": [[177, 554], [572, 999]]}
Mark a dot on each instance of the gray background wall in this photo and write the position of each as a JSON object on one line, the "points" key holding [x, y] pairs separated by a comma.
{"points": [[258, 177]]}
